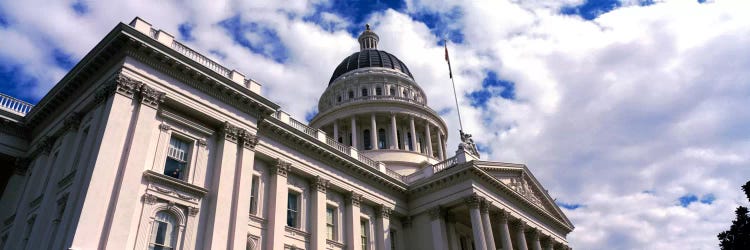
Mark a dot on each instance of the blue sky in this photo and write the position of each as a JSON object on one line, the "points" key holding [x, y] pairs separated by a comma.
{"points": [[600, 99]]}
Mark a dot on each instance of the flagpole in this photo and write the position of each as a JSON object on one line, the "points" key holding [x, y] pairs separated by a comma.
{"points": [[455, 97]]}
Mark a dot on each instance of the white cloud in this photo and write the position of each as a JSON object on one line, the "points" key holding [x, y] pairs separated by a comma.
{"points": [[643, 98]]}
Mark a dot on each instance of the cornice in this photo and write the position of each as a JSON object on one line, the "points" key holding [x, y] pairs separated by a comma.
{"points": [[174, 183], [307, 144]]}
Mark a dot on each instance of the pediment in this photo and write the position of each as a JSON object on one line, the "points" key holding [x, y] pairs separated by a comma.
{"points": [[518, 178]]}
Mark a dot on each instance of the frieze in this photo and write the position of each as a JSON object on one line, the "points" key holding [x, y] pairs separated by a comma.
{"points": [[281, 167], [522, 186], [149, 199], [171, 192]]}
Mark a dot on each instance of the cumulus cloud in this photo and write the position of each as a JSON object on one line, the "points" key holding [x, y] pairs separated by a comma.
{"points": [[622, 117]]}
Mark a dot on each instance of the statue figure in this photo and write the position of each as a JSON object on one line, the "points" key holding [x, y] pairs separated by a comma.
{"points": [[467, 144]]}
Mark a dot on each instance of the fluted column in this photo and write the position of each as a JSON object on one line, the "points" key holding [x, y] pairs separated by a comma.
{"points": [[354, 132], [549, 243], [439, 238], [383, 228], [394, 134], [476, 221], [521, 237], [450, 226], [277, 204], [502, 226], [488, 236], [535, 244], [429, 138], [352, 222], [373, 133], [440, 146], [413, 134], [318, 213]]}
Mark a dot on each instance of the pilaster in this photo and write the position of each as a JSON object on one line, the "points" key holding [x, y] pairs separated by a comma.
{"points": [[277, 204], [352, 221], [242, 183], [383, 227], [218, 234], [318, 187]]}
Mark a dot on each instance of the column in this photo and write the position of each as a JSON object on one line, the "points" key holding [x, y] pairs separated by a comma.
{"points": [[318, 213], [440, 146], [277, 203], [450, 226], [548, 245], [503, 229], [243, 181], [429, 138], [383, 228], [413, 134], [373, 133], [222, 189], [535, 244], [129, 173], [476, 221], [439, 237], [394, 134], [335, 131], [520, 236], [352, 222], [484, 209], [354, 132], [405, 236]]}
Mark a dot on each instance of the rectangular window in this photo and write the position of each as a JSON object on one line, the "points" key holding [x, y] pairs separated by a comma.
{"points": [[364, 233], [364, 92], [254, 195], [330, 223], [177, 156], [292, 210], [378, 91], [393, 239]]}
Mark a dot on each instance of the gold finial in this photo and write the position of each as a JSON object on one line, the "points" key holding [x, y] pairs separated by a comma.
{"points": [[367, 26]]}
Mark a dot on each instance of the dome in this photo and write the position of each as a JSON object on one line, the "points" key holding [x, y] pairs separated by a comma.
{"points": [[370, 58]]}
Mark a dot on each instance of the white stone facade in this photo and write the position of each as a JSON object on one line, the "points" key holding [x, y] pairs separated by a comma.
{"points": [[146, 144]]}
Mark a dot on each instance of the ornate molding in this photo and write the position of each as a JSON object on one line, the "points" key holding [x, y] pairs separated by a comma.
{"points": [[174, 187], [503, 216], [249, 141], [149, 199], [484, 206], [45, 145], [73, 121], [319, 184], [22, 166], [436, 213], [281, 168], [383, 212], [354, 199], [150, 96], [473, 201], [164, 127], [230, 132]]}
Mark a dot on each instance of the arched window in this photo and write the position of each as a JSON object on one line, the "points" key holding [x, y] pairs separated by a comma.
{"points": [[378, 91], [381, 138], [405, 94], [163, 232], [366, 139], [408, 139], [364, 92], [393, 91]]}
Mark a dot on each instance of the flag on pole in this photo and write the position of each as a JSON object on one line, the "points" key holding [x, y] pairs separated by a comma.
{"points": [[447, 59]]}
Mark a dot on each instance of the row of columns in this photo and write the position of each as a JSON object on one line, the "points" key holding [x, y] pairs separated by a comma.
{"points": [[482, 230], [394, 135], [277, 214]]}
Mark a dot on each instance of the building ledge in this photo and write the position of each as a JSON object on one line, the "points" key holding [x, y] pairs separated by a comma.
{"points": [[174, 183]]}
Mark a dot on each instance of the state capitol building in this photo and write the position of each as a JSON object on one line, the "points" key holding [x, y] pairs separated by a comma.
{"points": [[148, 144]]}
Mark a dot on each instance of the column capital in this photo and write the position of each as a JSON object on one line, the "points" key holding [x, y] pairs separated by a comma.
{"points": [[534, 233], [126, 85], [150, 97], [319, 184], [281, 168], [192, 211], [503, 216], [45, 145], [229, 132], [520, 225], [149, 199], [383, 212], [164, 127], [484, 206], [473, 201], [22, 166], [72, 122], [354, 199], [249, 140], [436, 212]]}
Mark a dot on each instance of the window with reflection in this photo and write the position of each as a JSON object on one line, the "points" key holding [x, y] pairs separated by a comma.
{"points": [[381, 138], [366, 139], [177, 158]]}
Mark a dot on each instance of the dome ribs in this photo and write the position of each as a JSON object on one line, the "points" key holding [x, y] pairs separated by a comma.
{"points": [[369, 58]]}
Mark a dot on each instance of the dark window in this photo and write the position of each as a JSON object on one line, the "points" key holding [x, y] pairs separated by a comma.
{"points": [[341, 139], [364, 92], [393, 91], [338, 99], [177, 155], [405, 94], [378, 91], [351, 94], [254, 194], [163, 232], [393, 239], [366, 139], [408, 141], [330, 223], [381, 138], [398, 135], [292, 211]]}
